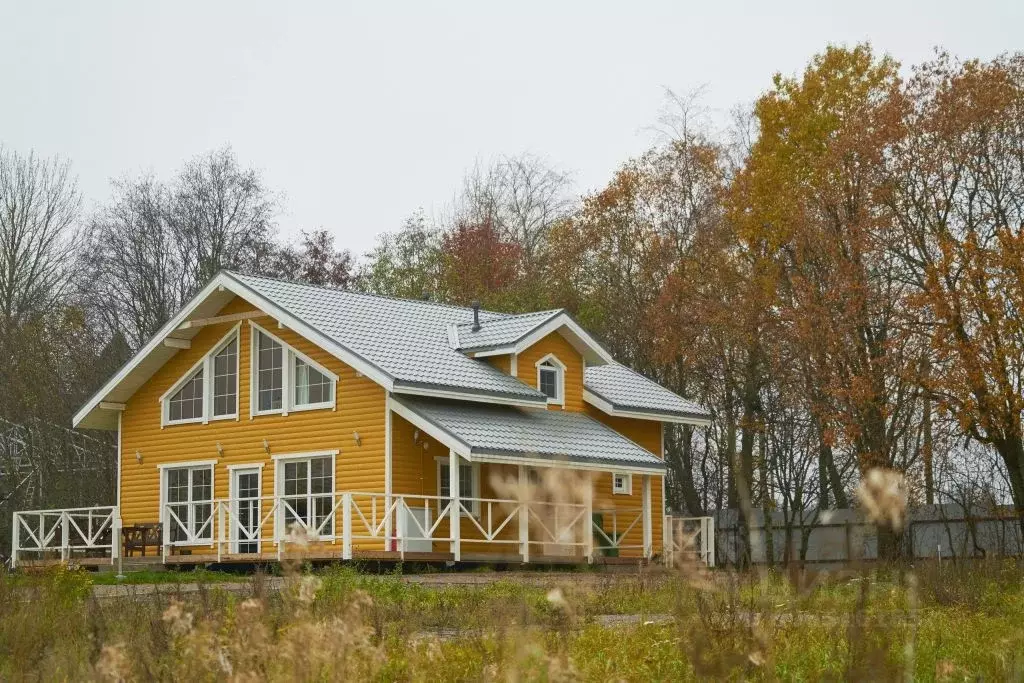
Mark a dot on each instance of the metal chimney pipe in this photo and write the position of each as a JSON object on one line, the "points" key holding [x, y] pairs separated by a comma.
{"points": [[476, 316]]}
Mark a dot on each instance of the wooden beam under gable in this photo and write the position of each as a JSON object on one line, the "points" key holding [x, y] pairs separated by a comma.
{"points": [[231, 318]]}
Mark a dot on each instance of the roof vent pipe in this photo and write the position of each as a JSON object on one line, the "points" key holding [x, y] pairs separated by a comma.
{"points": [[476, 316]]}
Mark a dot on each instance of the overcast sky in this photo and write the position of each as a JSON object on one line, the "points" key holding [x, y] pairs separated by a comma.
{"points": [[361, 112]]}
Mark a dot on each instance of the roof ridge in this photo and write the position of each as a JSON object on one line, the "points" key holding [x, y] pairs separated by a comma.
{"points": [[372, 295]]}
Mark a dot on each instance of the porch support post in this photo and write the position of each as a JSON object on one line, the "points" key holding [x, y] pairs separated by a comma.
{"points": [[346, 526], [65, 542], [524, 515], [389, 526], [648, 527], [588, 513], [455, 505]]}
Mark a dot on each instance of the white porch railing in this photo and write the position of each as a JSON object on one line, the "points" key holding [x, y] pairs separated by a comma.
{"points": [[612, 529], [689, 537], [400, 523], [66, 533]]}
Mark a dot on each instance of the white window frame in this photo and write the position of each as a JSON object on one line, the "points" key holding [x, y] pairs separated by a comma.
{"points": [[626, 489], [192, 465], [289, 356], [559, 367], [279, 494], [206, 364], [475, 488]]}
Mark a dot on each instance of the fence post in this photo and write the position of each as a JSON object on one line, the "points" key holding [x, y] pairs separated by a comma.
{"points": [[65, 540], [115, 536], [711, 542], [346, 525], [166, 528], [400, 523], [15, 540]]}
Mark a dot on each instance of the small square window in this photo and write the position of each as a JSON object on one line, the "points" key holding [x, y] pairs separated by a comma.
{"points": [[622, 483]]}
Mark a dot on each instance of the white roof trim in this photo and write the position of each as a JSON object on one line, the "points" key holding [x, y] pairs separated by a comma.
{"points": [[550, 358], [543, 461], [552, 324], [428, 427], [466, 396], [606, 407]]}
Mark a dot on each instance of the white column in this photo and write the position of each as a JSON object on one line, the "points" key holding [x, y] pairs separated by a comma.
{"points": [[388, 521], [648, 544], [346, 526], [588, 524], [65, 551], [524, 515], [455, 506]]}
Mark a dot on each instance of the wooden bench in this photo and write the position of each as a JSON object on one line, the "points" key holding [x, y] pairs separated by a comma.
{"points": [[140, 536]]}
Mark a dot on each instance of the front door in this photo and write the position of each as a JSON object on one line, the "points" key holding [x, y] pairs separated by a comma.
{"points": [[245, 504]]}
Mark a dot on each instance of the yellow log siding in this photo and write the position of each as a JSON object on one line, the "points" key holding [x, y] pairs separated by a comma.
{"points": [[526, 366], [359, 408], [646, 433]]}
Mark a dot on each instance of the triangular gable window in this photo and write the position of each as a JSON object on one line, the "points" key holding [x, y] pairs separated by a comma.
{"points": [[284, 379], [209, 390]]}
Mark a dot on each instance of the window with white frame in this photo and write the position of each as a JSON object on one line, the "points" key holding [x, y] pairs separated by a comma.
{"points": [[551, 379], [622, 483], [306, 488], [209, 390], [469, 483], [285, 380], [188, 503]]}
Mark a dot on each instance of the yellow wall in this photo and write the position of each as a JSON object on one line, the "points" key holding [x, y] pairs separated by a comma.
{"points": [[526, 367], [360, 407], [646, 433]]}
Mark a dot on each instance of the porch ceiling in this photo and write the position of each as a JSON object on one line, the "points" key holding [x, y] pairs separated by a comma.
{"points": [[496, 433]]}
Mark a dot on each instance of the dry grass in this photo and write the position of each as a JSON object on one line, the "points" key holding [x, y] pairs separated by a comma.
{"points": [[948, 623]]}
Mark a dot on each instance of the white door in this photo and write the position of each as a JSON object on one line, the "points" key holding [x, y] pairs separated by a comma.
{"points": [[245, 510]]}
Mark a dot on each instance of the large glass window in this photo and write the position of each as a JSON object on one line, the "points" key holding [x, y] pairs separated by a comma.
{"points": [[225, 380], [312, 387], [188, 494], [469, 486], [549, 381], [269, 373], [308, 494], [285, 380], [210, 391], [187, 402]]}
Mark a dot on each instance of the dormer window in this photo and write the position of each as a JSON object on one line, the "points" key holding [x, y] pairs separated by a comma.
{"points": [[209, 390], [551, 379], [285, 380]]}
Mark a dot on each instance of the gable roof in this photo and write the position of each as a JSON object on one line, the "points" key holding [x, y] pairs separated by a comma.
{"points": [[495, 433], [618, 390], [404, 345]]}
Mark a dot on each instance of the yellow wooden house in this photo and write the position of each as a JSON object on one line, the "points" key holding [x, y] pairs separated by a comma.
{"points": [[269, 419]]}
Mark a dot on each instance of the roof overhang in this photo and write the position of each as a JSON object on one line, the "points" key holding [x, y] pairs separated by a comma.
{"points": [[561, 322], [608, 407]]}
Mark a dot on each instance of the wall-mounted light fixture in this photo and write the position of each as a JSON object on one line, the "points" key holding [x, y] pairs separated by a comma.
{"points": [[220, 450], [266, 446], [415, 435], [359, 439], [138, 457]]}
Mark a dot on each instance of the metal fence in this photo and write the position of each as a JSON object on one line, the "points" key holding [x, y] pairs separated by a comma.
{"points": [[841, 536]]}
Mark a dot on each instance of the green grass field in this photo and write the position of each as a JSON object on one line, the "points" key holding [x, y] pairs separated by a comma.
{"points": [[928, 623]]}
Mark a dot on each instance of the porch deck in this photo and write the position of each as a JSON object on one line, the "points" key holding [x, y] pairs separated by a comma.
{"points": [[358, 526]]}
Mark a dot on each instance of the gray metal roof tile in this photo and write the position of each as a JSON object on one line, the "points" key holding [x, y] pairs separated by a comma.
{"points": [[499, 332], [406, 339], [490, 429], [626, 389]]}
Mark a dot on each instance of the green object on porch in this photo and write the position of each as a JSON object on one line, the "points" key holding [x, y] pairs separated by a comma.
{"points": [[599, 540]]}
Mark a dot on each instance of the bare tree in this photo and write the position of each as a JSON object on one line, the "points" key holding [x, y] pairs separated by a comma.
{"points": [[39, 203]]}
